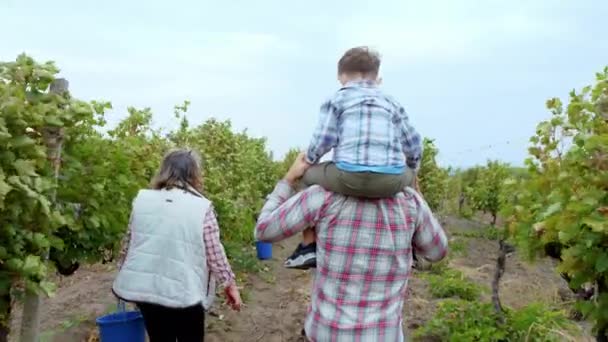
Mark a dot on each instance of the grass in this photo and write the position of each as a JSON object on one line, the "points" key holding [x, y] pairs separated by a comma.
{"points": [[242, 258], [76, 320], [461, 320], [490, 233], [452, 283], [458, 247]]}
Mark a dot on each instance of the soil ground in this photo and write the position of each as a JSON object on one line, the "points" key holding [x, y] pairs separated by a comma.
{"points": [[276, 299]]}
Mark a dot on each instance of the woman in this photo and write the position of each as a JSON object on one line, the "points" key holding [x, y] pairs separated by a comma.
{"points": [[172, 255]]}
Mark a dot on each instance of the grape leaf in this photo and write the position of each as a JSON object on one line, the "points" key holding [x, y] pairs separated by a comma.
{"points": [[25, 167]]}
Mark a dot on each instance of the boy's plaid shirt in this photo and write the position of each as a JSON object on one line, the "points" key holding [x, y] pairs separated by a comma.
{"points": [[364, 256], [365, 127]]}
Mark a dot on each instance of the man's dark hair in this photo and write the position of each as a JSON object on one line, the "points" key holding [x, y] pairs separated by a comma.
{"points": [[360, 59]]}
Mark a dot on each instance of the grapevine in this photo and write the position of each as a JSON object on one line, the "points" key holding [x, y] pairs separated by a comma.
{"points": [[564, 199]]}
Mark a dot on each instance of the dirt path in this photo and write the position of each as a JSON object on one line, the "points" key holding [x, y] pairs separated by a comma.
{"points": [[276, 302], [276, 305]]}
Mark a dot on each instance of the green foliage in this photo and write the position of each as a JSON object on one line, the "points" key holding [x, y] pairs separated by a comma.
{"points": [[485, 191], [440, 267], [238, 173], [481, 188], [242, 256], [536, 322], [454, 202], [28, 216], [452, 283], [81, 214], [287, 161], [100, 177], [458, 247], [464, 180], [490, 233], [460, 320], [433, 179], [565, 196]]}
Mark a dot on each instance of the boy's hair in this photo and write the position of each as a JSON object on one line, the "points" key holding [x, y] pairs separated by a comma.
{"points": [[360, 59]]}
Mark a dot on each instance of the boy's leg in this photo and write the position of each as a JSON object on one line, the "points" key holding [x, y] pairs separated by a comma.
{"points": [[308, 236], [374, 185], [324, 174], [358, 184], [305, 255], [408, 177]]}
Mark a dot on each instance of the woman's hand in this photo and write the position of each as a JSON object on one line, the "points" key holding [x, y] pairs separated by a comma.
{"points": [[233, 297]]}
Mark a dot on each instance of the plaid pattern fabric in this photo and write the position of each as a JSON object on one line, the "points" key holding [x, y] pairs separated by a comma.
{"points": [[216, 256], [214, 250], [364, 256], [365, 127]]}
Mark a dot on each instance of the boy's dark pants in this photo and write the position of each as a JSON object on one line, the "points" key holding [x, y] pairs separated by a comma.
{"points": [[358, 184]]}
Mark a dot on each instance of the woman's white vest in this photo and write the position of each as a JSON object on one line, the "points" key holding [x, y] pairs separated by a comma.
{"points": [[166, 262]]}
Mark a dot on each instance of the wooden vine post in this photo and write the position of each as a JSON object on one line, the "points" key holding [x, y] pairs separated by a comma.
{"points": [[53, 139], [498, 273]]}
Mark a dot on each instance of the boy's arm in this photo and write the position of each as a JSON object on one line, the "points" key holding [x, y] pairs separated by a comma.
{"points": [[325, 136], [284, 214], [411, 141]]}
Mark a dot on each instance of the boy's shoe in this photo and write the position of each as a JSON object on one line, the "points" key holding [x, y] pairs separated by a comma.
{"points": [[304, 257]]}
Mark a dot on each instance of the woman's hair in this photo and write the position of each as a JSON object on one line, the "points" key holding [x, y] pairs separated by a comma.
{"points": [[179, 169]]}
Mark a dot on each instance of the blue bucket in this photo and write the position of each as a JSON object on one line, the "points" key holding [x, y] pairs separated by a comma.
{"points": [[264, 250], [126, 326]]}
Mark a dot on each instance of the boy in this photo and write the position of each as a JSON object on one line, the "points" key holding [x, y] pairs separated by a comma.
{"points": [[376, 151]]}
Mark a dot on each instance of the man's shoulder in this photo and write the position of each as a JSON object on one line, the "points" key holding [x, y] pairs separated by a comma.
{"points": [[316, 190], [408, 197]]}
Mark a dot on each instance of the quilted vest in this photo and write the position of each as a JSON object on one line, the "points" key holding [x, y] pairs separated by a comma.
{"points": [[166, 262]]}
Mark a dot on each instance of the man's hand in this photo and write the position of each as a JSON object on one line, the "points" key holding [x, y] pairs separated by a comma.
{"points": [[297, 169], [233, 297]]}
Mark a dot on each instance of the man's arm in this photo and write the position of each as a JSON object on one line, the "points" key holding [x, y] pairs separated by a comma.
{"points": [[430, 240], [411, 141], [325, 136], [284, 214]]}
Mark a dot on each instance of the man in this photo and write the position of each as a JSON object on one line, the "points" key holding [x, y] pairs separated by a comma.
{"points": [[364, 254]]}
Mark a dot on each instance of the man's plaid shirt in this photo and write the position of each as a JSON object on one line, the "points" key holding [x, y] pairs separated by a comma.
{"points": [[364, 256], [365, 127]]}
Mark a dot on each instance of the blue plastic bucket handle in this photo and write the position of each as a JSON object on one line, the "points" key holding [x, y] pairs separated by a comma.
{"points": [[264, 250], [127, 326]]}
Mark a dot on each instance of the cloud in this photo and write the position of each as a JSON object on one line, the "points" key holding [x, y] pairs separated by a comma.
{"points": [[173, 63], [447, 33], [171, 52], [407, 42]]}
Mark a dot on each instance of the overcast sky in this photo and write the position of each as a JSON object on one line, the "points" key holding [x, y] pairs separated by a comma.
{"points": [[474, 75]]}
